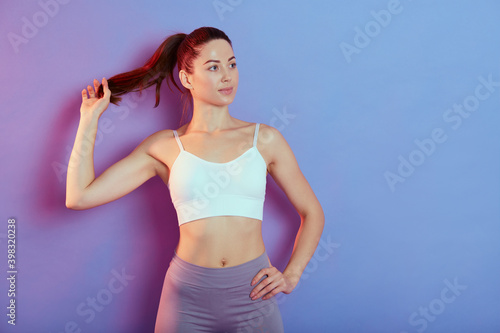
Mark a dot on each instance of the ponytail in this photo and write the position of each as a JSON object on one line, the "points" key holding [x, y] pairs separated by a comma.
{"points": [[179, 49], [156, 69]]}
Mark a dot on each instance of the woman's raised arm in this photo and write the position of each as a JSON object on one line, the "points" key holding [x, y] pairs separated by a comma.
{"points": [[83, 190]]}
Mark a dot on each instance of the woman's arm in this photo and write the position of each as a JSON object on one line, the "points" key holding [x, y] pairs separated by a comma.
{"points": [[284, 169], [83, 190]]}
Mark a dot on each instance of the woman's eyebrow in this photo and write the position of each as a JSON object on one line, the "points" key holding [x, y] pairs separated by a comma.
{"points": [[218, 61]]}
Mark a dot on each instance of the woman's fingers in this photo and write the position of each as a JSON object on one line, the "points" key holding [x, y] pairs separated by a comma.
{"points": [[84, 94], [92, 103], [268, 284], [96, 85], [91, 91], [107, 92], [273, 282]]}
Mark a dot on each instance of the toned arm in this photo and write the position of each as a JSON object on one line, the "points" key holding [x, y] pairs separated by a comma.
{"points": [[85, 191], [284, 169]]}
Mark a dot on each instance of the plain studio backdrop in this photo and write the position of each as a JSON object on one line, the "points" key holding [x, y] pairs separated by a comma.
{"points": [[392, 109]]}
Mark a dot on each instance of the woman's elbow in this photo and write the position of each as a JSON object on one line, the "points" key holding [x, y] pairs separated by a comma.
{"points": [[74, 204], [313, 213]]}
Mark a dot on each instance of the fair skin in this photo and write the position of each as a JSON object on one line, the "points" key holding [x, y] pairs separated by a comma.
{"points": [[214, 135]]}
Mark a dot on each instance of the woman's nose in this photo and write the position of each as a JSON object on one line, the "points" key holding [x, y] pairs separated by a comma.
{"points": [[226, 77]]}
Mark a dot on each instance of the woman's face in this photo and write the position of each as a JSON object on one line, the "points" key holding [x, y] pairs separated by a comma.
{"points": [[214, 80]]}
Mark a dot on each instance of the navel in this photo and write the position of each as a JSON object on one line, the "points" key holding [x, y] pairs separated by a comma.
{"points": [[223, 262]]}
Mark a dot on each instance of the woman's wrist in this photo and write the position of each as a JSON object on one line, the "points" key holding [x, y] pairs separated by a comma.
{"points": [[88, 119], [293, 277]]}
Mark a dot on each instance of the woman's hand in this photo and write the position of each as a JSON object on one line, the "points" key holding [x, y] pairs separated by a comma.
{"points": [[91, 104], [274, 283]]}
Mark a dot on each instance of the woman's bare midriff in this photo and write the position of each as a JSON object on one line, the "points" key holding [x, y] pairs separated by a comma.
{"points": [[221, 241]]}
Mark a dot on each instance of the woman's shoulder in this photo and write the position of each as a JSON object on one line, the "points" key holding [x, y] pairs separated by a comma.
{"points": [[159, 138], [270, 135], [160, 135], [265, 130], [250, 125]]}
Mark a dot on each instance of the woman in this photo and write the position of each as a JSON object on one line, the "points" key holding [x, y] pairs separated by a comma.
{"points": [[220, 278]]}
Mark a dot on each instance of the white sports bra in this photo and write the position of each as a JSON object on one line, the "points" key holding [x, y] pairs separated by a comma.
{"points": [[201, 189]]}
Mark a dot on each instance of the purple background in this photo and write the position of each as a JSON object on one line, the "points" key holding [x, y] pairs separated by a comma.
{"points": [[364, 84]]}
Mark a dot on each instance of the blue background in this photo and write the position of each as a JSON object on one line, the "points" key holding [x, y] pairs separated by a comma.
{"points": [[411, 241]]}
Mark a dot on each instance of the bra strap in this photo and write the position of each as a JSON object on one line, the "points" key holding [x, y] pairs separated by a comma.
{"points": [[179, 143], [256, 134]]}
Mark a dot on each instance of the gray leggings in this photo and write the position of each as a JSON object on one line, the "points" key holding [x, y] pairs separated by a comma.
{"points": [[202, 299]]}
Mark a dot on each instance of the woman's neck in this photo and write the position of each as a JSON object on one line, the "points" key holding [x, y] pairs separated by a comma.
{"points": [[209, 118]]}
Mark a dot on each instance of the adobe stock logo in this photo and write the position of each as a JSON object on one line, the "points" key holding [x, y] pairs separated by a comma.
{"points": [[106, 126], [454, 117], [222, 7], [31, 26], [363, 37], [97, 302], [427, 314]]}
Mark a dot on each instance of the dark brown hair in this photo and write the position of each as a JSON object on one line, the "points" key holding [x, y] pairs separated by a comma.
{"points": [[179, 49]]}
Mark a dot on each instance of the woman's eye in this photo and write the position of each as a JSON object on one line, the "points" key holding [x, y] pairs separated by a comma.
{"points": [[233, 65], [212, 68]]}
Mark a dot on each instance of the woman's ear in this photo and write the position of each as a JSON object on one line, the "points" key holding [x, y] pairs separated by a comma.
{"points": [[185, 80]]}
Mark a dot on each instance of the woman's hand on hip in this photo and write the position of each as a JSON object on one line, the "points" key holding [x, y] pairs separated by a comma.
{"points": [[273, 283]]}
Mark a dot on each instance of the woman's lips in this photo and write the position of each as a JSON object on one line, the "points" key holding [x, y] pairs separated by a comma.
{"points": [[226, 91]]}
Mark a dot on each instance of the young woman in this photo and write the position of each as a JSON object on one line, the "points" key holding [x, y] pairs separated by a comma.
{"points": [[220, 278]]}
